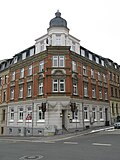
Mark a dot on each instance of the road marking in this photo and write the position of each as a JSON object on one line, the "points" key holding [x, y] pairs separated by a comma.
{"points": [[101, 144], [70, 142]]}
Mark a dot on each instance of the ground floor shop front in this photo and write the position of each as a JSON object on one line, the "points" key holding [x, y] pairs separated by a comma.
{"points": [[55, 115]]}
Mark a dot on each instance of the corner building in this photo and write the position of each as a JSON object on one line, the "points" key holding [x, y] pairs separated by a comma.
{"points": [[55, 85]]}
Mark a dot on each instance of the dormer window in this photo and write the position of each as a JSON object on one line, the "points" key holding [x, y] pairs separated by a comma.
{"points": [[97, 60], [15, 59], [31, 51], [82, 52], [115, 66], [90, 56], [102, 62], [23, 55], [58, 40]]}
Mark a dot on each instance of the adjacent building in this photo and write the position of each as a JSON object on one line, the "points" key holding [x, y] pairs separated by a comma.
{"points": [[57, 85]]}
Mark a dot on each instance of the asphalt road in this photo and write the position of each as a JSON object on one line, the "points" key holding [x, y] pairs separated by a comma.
{"points": [[98, 146]]}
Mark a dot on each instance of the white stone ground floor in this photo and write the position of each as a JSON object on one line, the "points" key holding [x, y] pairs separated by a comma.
{"points": [[29, 118]]}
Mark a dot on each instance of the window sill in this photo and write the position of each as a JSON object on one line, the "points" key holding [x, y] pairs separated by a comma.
{"points": [[20, 121], [101, 120], [41, 121], [86, 120], [11, 120], [75, 120]]}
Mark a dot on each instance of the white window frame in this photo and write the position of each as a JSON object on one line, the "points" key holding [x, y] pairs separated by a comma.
{"points": [[86, 117], [92, 73], [20, 114], [94, 114], [12, 93], [84, 70], [106, 95], [41, 66], [82, 52], [101, 113], [42, 45], [21, 72], [40, 89], [41, 115], [97, 60], [74, 66], [90, 56], [13, 76], [31, 52], [58, 85], [20, 91], [85, 90], [29, 70], [75, 89], [11, 114], [58, 40], [93, 92], [29, 113], [99, 76], [73, 46], [102, 62], [55, 61], [61, 61], [100, 93], [23, 55], [29, 90]]}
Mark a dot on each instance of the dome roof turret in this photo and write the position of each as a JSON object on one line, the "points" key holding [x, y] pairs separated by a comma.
{"points": [[58, 21]]}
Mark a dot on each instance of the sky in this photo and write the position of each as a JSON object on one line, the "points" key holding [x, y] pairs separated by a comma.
{"points": [[95, 22]]}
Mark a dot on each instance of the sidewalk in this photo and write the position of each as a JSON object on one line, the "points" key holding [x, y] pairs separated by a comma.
{"points": [[55, 137]]}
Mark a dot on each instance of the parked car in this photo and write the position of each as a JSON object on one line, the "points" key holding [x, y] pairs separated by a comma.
{"points": [[117, 125]]}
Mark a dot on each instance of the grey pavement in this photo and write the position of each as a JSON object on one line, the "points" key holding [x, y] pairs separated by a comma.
{"points": [[56, 137]]}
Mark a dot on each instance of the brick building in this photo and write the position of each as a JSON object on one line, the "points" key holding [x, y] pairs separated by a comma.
{"points": [[55, 85]]}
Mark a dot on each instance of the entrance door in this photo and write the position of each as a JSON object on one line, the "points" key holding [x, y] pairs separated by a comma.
{"points": [[106, 117]]}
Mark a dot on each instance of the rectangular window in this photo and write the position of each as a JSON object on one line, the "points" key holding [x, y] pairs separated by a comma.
{"points": [[13, 76], [61, 61], [41, 66], [97, 60], [55, 85], [117, 112], [23, 55], [85, 90], [5, 79], [20, 114], [116, 92], [92, 73], [75, 89], [74, 66], [55, 61], [58, 61], [100, 93], [93, 92], [11, 114], [104, 77], [102, 62], [113, 112], [85, 113], [82, 52], [90, 56], [94, 113], [99, 76], [12, 93], [106, 95], [59, 85], [111, 76], [41, 114], [40, 89], [101, 113], [30, 70], [62, 85], [20, 91], [112, 92], [29, 90], [21, 72], [58, 40], [84, 70], [31, 51]]}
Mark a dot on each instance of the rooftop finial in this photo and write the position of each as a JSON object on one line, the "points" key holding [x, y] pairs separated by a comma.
{"points": [[58, 14]]}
